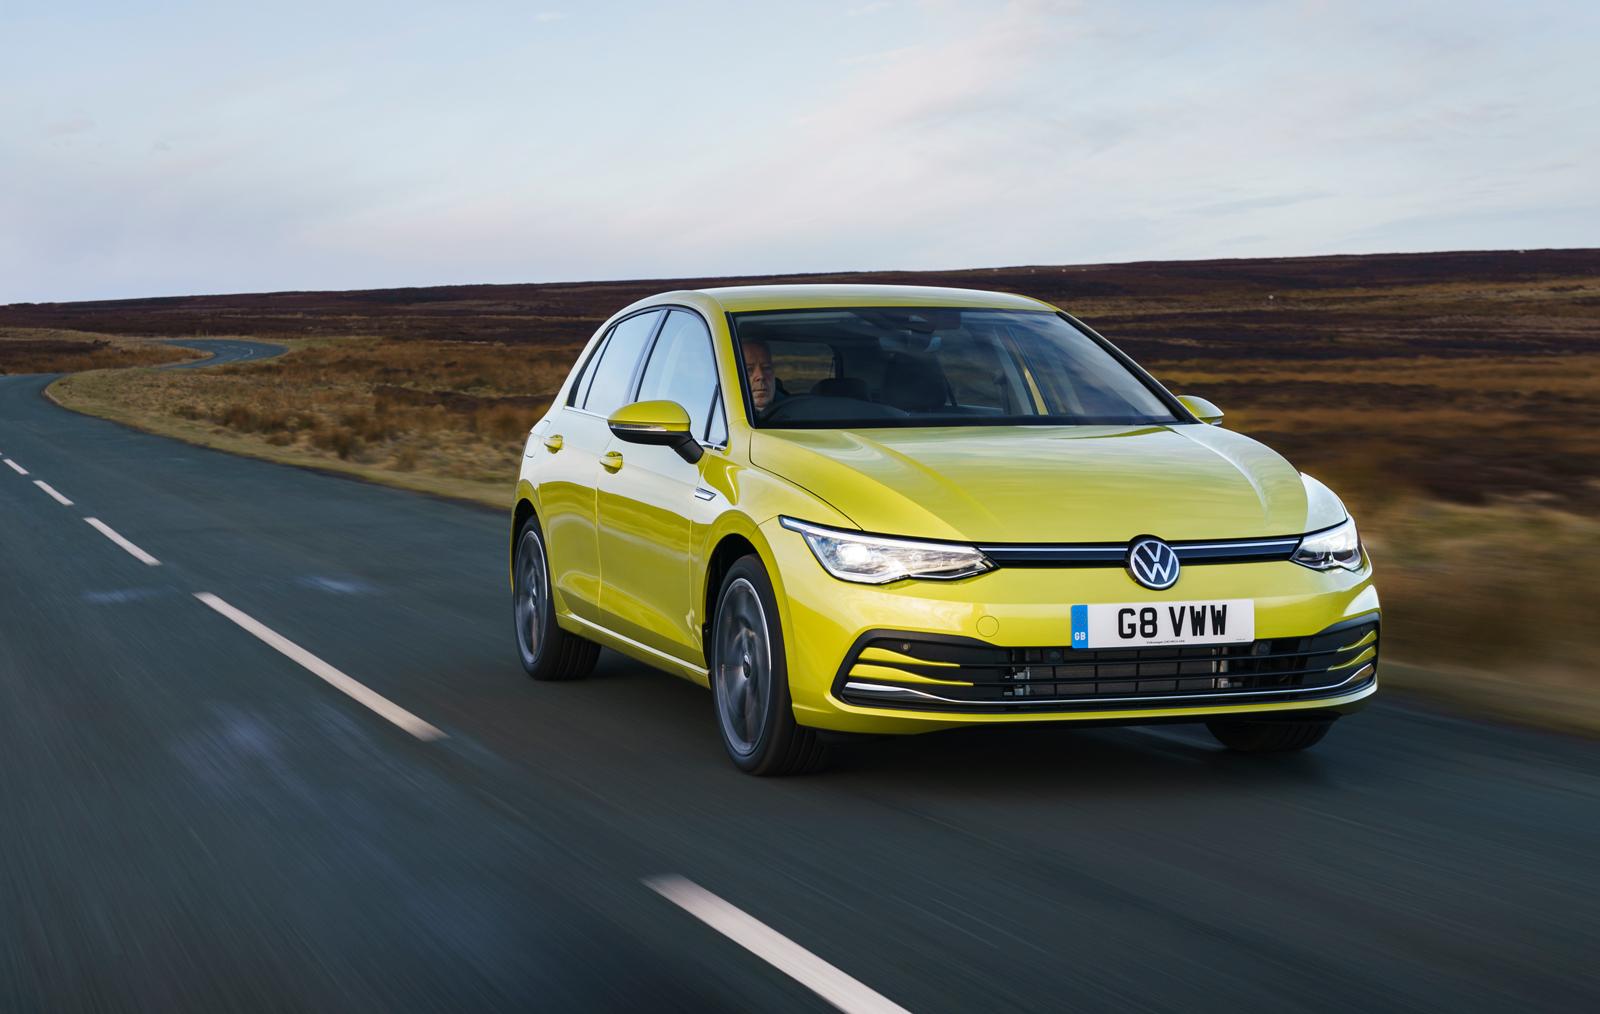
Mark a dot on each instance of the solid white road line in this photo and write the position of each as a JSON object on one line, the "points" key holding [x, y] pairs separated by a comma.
{"points": [[16, 467], [133, 550], [773, 947], [334, 678], [57, 497]]}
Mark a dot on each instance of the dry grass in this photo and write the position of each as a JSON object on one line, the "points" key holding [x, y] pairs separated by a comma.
{"points": [[1491, 607], [44, 350], [445, 416]]}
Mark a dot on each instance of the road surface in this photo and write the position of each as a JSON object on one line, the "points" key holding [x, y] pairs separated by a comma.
{"points": [[327, 785], [221, 351]]}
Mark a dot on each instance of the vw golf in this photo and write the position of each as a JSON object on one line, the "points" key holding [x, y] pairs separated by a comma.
{"points": [[894, 509]]}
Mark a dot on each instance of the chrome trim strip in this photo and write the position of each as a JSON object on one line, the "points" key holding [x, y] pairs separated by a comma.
{"points": [[878, 688], [1119, 550], [641, 428], [665, 657]]}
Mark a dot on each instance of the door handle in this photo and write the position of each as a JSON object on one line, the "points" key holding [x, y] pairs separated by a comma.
{"points": [[612, 460], [552, 443]]}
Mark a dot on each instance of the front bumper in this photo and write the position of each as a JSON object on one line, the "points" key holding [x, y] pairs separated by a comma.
{"points": [[921, 655]]}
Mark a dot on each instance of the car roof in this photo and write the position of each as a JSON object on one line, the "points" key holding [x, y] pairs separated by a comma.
{"points": [[744, 298]]}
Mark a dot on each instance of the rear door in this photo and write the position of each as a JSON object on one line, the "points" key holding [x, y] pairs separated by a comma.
{"points": [[573, 444], [647, 503]]}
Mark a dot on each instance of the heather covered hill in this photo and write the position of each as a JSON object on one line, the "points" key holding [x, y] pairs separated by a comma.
{"points": [[1228, 301]]}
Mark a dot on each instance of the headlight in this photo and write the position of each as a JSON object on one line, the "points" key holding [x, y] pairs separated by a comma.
{"points": [[1339, 546], [872, 559]]}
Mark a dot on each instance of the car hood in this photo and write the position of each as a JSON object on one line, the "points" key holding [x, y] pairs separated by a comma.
{"points": [[1050, 483]]}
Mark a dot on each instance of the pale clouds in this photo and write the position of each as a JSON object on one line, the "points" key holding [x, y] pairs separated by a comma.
{"points": [[409, 144]]}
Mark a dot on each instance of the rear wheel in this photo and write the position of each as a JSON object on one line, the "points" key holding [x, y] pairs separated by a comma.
{"points": [[1268, 737], [547, 652], [750, 679]]}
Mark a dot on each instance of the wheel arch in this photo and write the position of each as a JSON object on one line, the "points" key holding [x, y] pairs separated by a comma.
{"points": [[729, 549], [520, 514]]}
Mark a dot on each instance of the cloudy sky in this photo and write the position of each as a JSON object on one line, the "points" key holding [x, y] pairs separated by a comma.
{"points": [[220, 146]]}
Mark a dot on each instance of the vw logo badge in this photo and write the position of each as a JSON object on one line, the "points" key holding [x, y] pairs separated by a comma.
{"points": [[1152, 563]]}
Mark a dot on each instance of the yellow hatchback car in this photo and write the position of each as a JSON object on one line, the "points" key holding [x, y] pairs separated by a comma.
{"points": [[888, 509]]}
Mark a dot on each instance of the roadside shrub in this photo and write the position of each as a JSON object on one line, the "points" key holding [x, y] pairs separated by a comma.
{"points": [[341, 440], [238, 417], [503, 422], [273, 422]]}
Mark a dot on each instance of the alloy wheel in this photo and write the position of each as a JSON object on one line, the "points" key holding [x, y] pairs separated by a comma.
{"points": [[743, 673], [530, 602]]}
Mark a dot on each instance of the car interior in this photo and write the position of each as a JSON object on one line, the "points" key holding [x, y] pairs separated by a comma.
{"points": [[896, 365]]}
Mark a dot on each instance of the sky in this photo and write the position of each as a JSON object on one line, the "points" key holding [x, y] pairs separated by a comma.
{"points": [[177, 148]]}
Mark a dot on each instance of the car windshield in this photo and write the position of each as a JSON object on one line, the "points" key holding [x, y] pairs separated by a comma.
{"points": [[944, 366]]}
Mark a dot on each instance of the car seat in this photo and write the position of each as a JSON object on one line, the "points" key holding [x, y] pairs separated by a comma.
{"points": [[914, 383]]}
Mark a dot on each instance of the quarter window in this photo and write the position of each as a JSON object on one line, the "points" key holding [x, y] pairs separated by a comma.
{"points": [[612, 373], [717, 428]]}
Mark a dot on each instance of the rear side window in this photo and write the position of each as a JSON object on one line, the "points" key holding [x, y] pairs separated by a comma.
{"points": [[681, 368], [612, 372]]}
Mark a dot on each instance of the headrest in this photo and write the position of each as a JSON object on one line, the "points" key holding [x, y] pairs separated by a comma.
{"points": [[914, 383]]}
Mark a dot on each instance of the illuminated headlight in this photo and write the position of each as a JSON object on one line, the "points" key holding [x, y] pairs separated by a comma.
{"points": [[872, 559], [1339, 546]]}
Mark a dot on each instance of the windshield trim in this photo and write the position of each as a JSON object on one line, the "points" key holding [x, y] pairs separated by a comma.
{"points": [[1180, 412]]}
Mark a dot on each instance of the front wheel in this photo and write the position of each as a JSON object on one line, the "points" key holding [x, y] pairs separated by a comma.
{"points": [[750, 679], [547, 652], [1244, 736]]}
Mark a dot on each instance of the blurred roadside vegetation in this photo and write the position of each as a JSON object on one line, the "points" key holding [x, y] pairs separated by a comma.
{"points": [[1453, 400]]}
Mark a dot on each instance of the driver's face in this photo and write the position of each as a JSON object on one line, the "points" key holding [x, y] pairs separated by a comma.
{"points": [[758, 371]]}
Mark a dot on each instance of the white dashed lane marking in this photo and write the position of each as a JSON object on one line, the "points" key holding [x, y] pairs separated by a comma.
{"points": [[333, 677], [16, 467], [57, 497], [133, 550], [773, 947]]}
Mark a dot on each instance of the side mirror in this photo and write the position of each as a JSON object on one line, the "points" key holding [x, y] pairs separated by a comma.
{"points": [[1202, 410], [663, 423]]}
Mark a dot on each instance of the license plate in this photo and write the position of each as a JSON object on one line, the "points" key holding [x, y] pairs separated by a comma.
{"points": [[1139, 624]]}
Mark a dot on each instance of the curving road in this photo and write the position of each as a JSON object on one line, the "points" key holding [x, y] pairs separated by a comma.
{"points": [[327, 785], [222, 351]]}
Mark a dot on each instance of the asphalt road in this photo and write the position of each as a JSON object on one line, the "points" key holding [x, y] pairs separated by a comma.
{"points": [[191, 819], [221, 351]]}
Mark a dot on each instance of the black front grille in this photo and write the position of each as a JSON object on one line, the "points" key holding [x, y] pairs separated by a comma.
{"points": [[1115, 554], [882, 669]]}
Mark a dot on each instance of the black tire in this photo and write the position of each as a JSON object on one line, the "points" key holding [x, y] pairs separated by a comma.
{"points": [[1244, 736], [759, 732], [546, 651]]}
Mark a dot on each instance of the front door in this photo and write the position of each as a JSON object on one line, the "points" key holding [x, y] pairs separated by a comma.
{"points": [[647, 505], [573, 444]]}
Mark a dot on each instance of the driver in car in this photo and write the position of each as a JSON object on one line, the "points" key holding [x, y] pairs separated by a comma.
{"points": [[758, 373]]}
